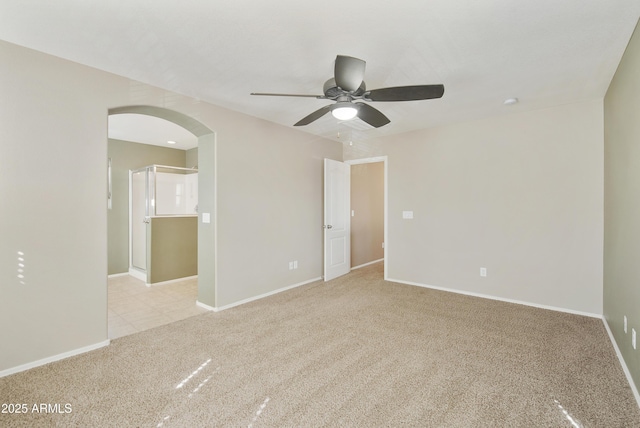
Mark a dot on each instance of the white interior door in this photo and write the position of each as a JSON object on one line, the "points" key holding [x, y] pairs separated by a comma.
{"points": [[337, 223]]}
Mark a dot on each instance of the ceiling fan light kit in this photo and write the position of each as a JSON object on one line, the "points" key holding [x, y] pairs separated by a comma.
{"points": [[344, 110], [348, 85]]}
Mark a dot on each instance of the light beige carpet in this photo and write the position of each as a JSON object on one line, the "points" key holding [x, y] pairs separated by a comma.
{"points": [[356, 351]]}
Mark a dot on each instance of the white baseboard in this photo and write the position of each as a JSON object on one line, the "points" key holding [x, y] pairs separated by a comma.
{"points": [[171, 281], [205, 306], [48, 360], [251, 299], [142, 276], [501, 299], [367, 264], [117, 275], [623, 363]]}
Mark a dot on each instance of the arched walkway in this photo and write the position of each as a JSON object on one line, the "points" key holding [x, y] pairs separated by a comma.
{"points": [[206, 193]]}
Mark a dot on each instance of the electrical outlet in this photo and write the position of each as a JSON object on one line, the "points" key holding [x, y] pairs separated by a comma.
{"points": [[633, 338], [625, 323], [295, 264], [290, 265], [483, 272]]}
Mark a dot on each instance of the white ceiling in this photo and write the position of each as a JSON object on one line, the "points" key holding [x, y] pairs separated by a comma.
{"points": [[150, 130], [544, 52]]}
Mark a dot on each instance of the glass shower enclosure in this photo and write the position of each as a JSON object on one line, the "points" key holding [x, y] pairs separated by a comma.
{"points": [[163, 222]]}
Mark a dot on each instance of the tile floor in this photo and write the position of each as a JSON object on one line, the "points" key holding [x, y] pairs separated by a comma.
{"points": [[134, 307]]}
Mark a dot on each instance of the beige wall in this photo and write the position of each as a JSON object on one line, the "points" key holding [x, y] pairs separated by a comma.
{"points": [[174, 248], [192, 158], [520, 194], [126, 156], [53, 153], [274, 190], [207, 239], [367, 205], [622, 205]]}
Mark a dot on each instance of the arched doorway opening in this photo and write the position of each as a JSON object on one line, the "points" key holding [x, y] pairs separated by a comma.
{"points": [[206, 211]]}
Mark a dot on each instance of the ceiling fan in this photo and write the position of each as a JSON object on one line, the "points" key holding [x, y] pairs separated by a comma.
{"points": [[348, 85]]}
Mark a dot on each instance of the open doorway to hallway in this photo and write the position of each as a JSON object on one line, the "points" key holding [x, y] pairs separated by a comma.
{"points": [[368, 211]]}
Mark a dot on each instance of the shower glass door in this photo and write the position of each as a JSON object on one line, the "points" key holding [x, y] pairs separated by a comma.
{"points": [[139, 220]]}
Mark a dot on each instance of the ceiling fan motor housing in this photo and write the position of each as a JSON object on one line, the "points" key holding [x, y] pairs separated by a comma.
{"points": [[332, 91]]}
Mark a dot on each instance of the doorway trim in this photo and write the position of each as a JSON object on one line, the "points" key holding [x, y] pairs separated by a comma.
{"points": [[384, 160]]}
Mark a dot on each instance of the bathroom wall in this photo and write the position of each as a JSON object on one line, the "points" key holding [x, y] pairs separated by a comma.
{"points": [[125, 156], [192, 158], [174, 248]]}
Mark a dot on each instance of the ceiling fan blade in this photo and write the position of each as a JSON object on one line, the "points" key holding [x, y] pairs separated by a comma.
{"points": [[349, 72], [406, 93], [288, 95], [372, 116], [314, 116]]}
